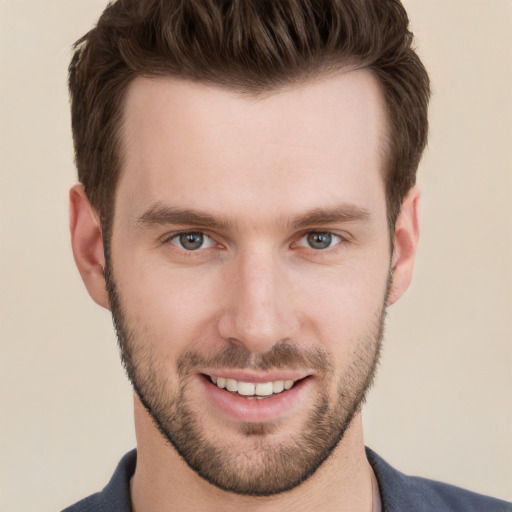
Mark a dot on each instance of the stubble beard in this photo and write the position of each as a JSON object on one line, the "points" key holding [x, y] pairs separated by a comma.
{"points": [[266, 469]]}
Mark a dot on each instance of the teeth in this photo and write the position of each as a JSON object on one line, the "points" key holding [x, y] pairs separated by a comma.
{"points": [[251, 389], [278, 386], [246, 388], [264, 388], [231, 385]]}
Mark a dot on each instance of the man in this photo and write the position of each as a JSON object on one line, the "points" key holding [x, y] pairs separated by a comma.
{"points": [[247, 211]]}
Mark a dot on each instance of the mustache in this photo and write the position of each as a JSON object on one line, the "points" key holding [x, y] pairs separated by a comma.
{"points": [[282, 355]]}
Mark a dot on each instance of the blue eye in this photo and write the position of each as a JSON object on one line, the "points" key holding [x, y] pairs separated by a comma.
{"points": [[192, 241], [320, 240]]}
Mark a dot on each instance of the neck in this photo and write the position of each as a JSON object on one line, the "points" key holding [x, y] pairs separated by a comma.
{"points": [[162, 479]]}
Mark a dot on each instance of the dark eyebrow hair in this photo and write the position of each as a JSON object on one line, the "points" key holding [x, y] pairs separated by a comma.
{"points": [[341, 213], [159, 214]]}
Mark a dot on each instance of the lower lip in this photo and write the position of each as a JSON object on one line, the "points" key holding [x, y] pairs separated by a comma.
{"points": [[241, 409]]}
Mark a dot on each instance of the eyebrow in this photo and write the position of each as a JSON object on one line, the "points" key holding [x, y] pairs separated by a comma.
{"points": [[159, 214], [341, 213]]}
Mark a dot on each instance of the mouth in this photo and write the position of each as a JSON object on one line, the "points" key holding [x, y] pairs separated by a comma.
{"points": [[252, 390], [261, 398]]}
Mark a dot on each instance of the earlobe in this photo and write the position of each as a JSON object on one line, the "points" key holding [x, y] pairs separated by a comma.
{"points": [[87, 244], [406, 243]]}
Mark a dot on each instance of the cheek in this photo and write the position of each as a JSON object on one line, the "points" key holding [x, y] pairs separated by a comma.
{"points": [[344, 305], [173, 309]]}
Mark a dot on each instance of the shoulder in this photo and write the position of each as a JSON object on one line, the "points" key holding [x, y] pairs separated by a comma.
{"points": [[115, 497], [90, 504], [454, 498], [400, 492]]}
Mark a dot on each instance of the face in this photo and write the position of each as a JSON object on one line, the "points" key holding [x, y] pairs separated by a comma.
{"points": [[249, 269]]}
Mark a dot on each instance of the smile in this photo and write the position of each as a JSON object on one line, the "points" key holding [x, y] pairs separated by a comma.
{"points": [[248, 397], [252, 389]]}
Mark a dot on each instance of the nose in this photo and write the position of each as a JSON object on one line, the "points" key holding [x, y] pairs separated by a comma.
{"points": [[258, 307]]}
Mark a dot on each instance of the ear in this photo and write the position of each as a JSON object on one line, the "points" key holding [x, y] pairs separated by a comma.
{"points": [[406, 242], [87, 244]]}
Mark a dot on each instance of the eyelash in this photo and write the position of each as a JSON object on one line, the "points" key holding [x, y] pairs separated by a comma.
{"points": [[330, 234], [339, 239], [176, 236]]}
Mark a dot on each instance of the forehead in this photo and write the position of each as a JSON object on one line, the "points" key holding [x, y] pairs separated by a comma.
{"points": [[206, 146]]}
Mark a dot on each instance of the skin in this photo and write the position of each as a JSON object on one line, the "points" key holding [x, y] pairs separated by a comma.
{"points": [[257, 163]]}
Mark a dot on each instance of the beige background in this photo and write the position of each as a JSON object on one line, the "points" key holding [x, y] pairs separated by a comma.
{"points": [[442, 405]]}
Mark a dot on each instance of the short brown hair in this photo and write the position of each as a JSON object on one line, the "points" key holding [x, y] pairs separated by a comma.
{"points": [[250, 46]]}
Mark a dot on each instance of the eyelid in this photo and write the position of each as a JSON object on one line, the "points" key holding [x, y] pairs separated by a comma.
{"points": [[170, 237], [341, 237], [172, 234]]}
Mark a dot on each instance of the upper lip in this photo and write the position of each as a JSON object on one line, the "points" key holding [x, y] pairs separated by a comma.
{"points": [[256, 377]]}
